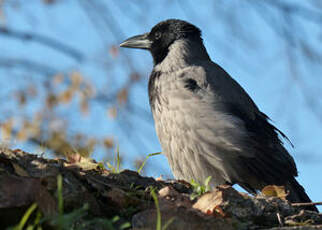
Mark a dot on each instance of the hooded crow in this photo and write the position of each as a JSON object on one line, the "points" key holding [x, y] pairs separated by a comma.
{"points": [[206, 123]]}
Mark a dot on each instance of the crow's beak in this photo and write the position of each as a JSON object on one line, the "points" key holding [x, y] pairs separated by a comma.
{"points": [[139, 41]]}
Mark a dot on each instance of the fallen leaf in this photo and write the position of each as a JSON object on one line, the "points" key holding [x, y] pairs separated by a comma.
{"points": [[211, 203], [19, 170], [276, 191], [74, 158], [159, 178], [168, 192], [84, 163]]}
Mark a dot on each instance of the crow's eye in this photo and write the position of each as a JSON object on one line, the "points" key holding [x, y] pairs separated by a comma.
{"points": [[157, 35]]}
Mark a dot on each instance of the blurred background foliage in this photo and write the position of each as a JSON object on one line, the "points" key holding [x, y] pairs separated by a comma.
{"points": [[66, 87]]}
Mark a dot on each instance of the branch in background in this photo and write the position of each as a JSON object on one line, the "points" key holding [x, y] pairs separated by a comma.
{"points": [[100, 15], [29, 65], [56, 45], [301, 11], [60, 145], [294, 35]]}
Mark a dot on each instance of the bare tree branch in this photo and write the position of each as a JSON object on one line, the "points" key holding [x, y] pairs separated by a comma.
{"points": [[27, 64], [75, 54]]}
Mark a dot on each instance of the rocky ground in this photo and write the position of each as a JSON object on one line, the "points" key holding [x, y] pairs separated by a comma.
{"points": [[93, 196]]}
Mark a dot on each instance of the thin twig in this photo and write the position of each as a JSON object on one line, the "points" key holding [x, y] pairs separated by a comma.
{"points": [[306, 204], [280, 219]]}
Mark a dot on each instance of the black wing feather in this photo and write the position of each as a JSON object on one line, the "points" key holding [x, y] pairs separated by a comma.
{"points": [[271, 164]]}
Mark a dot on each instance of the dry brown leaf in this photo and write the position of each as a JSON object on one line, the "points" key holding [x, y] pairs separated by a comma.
{"points": [[84, 106], [109, 142], [208, 202], [19, 170], [22, 134], [276, 191], [159, 178], [21, 96], [18, 151], [122, 96], [66, 96], [112, 112], [135, 76], [171, 197], [32, 91], [211, 203], [33, 127], [57, 79], [51, 100], [84, 163], [114, 51], [6, 129], [74, 158], [76, 79], [91, 143], [168, 191], [88, 90]]}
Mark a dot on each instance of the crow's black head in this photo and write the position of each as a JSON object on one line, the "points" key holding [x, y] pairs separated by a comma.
{"points": [[162, 36]]}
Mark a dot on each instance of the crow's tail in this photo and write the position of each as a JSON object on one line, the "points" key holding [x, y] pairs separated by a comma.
{"points": [[297, 194]]}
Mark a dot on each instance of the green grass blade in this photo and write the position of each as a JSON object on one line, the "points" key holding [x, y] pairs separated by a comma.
{"points": [[208, 179], [26, 216], [146, 159], [118, 160], [60, 194], [168, 223], [156, 202]]}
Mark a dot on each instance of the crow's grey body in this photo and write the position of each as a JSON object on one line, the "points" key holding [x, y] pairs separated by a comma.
{"points": [[206, 123], [198, 133]]}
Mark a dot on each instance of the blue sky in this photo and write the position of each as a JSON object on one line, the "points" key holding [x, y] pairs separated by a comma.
{"points": [[236, 36]]}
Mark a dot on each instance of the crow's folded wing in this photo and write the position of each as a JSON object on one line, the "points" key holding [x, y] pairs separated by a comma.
{"points": [[225, 111]]}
